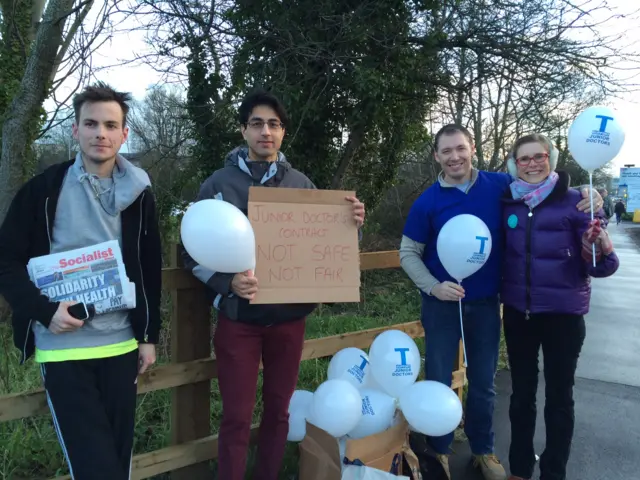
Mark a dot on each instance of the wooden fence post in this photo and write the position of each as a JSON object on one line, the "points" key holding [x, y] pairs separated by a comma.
{"points": [[190, 340]]}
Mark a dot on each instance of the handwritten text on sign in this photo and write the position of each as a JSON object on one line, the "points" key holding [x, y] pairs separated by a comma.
{"points": [[306, 246]]}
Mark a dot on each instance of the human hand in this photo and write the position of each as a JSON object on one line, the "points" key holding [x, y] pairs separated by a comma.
{"points": [[245, 285], [604, 242], [593, 231], [358, 210], [448, 292], [146, 356], [62, 321], [585, 204], [589, 239]]}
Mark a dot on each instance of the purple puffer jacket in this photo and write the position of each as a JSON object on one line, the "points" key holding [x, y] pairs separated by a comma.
{"points": [[543, 270]]}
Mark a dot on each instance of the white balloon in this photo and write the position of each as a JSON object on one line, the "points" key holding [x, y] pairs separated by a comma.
{"points": [[300, 401], [464, 245], [299, 406], [219, 236], [336, 407], [395, 361], [378, 409], [372, 383], [297, 428], [350, 364], [431, 408], [595, 137]]}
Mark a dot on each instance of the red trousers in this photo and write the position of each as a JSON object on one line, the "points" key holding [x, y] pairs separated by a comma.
{"points": [[239, 347]]}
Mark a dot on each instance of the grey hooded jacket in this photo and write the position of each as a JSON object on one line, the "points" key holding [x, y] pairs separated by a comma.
{"points": [[231, 184]]}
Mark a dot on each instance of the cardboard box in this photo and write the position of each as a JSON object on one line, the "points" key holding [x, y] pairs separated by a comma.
{"points": [[320, 452], [307, 248]]}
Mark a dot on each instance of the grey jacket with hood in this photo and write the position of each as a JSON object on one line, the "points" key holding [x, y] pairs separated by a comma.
{"points": [[88, 213], [231, 184]]}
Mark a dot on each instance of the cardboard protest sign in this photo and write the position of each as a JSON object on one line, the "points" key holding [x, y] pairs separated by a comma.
{"points": [[306, 246]]}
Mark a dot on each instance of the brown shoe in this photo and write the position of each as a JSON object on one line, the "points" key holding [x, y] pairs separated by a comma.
{"points": [[490, 467], [444, 461]]}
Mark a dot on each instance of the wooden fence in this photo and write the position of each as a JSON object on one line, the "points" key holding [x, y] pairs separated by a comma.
{"points": [[192, 369]]}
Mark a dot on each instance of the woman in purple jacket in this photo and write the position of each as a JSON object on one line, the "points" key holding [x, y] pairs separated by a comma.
{"points": [[546, 291]]}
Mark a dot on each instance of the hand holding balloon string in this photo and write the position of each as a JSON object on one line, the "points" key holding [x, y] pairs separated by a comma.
{"points": [[448, 291], [596, 241]]}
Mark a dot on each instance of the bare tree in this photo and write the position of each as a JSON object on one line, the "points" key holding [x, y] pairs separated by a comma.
{"points": [[55, 49], [160, 123], [57, 144], [520, 66], [162, 142]]}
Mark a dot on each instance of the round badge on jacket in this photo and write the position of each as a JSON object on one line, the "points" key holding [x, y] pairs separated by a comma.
{"points": [[512, 221]]}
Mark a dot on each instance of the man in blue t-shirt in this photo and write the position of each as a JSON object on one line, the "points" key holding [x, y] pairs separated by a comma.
{"points": [[461, 189]]}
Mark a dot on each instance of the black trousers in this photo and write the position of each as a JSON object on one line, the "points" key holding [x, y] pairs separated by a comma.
{"points": [[561, 338], [93, 404]]}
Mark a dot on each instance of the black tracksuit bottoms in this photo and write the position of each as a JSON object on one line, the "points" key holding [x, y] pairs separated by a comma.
{"points": [[93, 404]]}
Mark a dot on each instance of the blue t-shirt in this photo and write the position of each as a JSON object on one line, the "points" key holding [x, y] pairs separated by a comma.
{"points": [[438, 204]]}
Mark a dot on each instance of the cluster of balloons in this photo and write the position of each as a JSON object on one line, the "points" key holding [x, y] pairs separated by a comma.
{"points": [[364, 392], [215, 223]]}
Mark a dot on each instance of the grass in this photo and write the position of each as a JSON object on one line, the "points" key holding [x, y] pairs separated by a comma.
{"points": [[29, 447]]}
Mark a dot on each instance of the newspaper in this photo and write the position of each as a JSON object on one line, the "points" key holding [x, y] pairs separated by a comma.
{"points": [[91, 275]]}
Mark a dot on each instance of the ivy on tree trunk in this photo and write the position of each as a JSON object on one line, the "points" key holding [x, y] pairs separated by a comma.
{"points": [[23, 116]]}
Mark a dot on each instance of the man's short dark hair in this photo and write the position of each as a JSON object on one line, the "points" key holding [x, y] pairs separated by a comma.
{"points": [[101, 92], [259, 98], [450, 130]]}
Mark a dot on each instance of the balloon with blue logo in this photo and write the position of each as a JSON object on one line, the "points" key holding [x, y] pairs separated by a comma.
{"points": [[378, 410], [395, 361], [463, 246], [350, 364], [595, 138]]}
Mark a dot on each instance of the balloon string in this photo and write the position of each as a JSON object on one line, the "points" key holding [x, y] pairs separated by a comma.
{"points": [[593, 245], [464, 345]]}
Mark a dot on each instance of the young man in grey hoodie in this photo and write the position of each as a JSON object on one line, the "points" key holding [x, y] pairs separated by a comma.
{"points": [[247, 334], [89, 368]]}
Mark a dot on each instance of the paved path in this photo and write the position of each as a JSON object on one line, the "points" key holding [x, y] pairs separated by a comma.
{"points": [[606, 443], [611, 350]]}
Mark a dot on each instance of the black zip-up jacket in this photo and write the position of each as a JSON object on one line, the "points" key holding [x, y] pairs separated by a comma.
{"points": [[26, 233]]}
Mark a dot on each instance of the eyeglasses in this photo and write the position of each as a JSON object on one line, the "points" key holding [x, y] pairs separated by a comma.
{"points": [[259, 125], [537, 158]]}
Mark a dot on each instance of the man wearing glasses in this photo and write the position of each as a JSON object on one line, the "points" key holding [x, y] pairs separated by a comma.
{"points": [[247, 334]]}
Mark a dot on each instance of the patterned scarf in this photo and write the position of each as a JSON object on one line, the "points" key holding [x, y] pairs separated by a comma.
{"points": [[533, 194]]}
